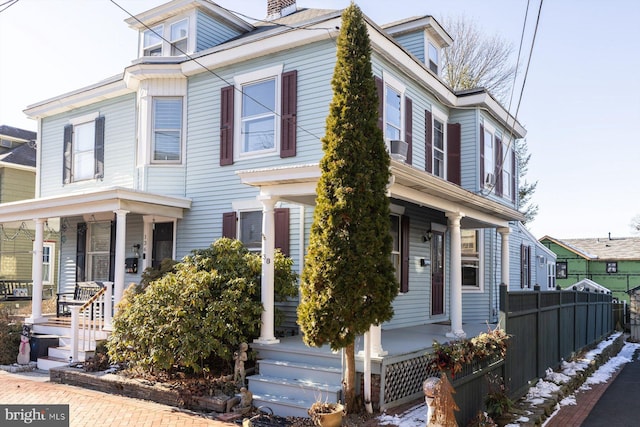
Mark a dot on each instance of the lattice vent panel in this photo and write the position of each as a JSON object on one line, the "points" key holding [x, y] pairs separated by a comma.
{"points": [[405, 378]]}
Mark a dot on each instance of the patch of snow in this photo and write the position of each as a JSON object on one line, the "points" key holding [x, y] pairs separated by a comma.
{"points": [[413, 417], [569, 400]]}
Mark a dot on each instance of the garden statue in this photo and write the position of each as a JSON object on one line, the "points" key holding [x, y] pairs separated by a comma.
{"points": [[246, 400], [240, 357], [24, 352]]}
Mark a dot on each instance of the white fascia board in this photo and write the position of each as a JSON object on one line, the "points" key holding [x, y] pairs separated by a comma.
{"points": [[399, 57], [176, 7], [88, 202], [286, 174], [134, 74], [80, 98], [427, 23], [16, 166], [264, 44], [484, 100]]}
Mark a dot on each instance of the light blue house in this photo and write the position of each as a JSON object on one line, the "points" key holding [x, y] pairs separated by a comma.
{"points": [[214, 130]]}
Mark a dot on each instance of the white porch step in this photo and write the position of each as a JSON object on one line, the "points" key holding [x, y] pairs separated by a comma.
{"points": [[283, 406], [48, 362], [304, 390], [63, 352], [44, 329], [300, 371]]}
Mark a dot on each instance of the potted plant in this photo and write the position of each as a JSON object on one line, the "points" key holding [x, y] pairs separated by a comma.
{"points": [[498, 402], [326, 414]]}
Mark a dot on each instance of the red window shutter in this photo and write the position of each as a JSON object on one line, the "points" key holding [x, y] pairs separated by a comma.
{"points": [[66, 154], [498, 171], [428, 141], [481, 157], [513, 176], [453, 153], [380, 92], [282, 229], [408, 128], [289, 114], [404, 254], [229, 220], [226, 125], [99, 148]]}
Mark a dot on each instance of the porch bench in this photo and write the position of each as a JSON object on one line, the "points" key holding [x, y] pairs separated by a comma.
{"points": [[82, 293], [21, 289]]}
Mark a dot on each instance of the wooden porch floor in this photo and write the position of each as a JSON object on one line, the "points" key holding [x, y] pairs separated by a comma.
{"points": [[395, 342]]}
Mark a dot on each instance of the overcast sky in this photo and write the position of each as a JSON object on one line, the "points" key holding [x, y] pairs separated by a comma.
{"points": [[581, 101]]}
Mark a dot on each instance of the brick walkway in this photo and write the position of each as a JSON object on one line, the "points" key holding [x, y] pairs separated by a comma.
{"points": [[574, 415], [92, 408]]}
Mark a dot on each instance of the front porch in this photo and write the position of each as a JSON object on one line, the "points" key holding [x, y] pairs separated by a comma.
{"points": [[293, 375]]}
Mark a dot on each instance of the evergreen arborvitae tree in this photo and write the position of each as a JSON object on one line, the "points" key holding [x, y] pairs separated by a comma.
{"points": [[348, 281]]}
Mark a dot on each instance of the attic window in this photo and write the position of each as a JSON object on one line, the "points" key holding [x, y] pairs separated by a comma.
{"points": [[434, 59], [152, 41], [179, 37], [612, 267]]}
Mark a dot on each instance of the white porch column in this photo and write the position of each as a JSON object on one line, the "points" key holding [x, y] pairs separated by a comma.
{"points": [[118, 275], [267, 329], [375, 334], [108, 306], [455, 275], [504, 255], [36, 274]]}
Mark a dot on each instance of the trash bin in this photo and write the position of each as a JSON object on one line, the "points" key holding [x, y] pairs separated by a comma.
{"points": [[40, 345]]}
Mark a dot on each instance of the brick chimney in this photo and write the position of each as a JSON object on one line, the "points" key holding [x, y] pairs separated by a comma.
{"points": [[279, 8]]}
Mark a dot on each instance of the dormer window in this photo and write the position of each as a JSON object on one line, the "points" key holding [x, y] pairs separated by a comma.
{"points": [[152, 41], [434, 58], [179, 37]]}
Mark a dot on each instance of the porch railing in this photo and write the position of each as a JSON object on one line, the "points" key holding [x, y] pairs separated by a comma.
{"points": [[86, 323]]}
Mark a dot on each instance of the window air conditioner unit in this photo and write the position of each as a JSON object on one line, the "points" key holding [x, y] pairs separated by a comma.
{"points": [[398, 149], [490, 179]]}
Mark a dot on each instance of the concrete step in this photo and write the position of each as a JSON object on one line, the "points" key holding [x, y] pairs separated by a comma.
{"points": [[283, 406], [300, 371], [64, 352], [304, 390], [300, 354], [48, 362]]}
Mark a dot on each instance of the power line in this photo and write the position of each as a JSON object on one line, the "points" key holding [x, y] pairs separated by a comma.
{"points": [[9, 3], [195, 60]]}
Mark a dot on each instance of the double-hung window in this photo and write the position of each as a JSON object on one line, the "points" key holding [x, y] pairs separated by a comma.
{"points": [[392, 113], [98, 251], [167, 129], [470, 257], [507, 171], [438, 148], [489, 158], [152, 41], [525, 266], [48, 262], [434, 59], [259, 116], [251, 230], [395, 249], [551, 275], [83, 148], [179, 37]]}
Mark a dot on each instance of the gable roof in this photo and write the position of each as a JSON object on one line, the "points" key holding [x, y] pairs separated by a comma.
{"points": [[23, 155], [601, 248]]}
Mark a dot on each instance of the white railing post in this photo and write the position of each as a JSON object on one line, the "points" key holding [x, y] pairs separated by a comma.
{"points": [[75, 314], [108, 306]]}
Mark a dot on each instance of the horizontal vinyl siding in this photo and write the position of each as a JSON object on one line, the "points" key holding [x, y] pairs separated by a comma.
{"points": [[414, 43], [213, 188], [15, 254], [16, 185], [167, 180], [469, 147], [211, 32], [477, 306], [119, 151]]}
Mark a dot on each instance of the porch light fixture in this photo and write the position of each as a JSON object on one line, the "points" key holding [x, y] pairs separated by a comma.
{"points": [[136, 250], [426, 237]]}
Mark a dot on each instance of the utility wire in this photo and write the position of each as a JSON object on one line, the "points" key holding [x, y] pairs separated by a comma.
{"points": [[9, 3], [200, 64]]}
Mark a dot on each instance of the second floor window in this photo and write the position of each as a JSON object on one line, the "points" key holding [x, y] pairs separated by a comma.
{"points": [[167, 130], [258, 116], [489, 159], [393, 114], [178, 39], [434, 60], [152, 41], [507, 170], [83, 149], [438, 148]]}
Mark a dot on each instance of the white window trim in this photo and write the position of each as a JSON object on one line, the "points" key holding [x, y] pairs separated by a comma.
{"points": [[507, 146], [90, 254], [151, 143], [492, 155], [427, 56], [91, 117], [188, 37], [439, 115], [394, 83], [159, 29], [77, 121], [254, 77], [52, 263], [480, 287]]}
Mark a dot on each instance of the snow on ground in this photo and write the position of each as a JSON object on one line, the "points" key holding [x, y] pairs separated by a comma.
{"points": [[417, 415]]}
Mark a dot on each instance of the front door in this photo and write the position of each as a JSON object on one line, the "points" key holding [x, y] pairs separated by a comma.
{"points": [[437, 273], [162, 243]]}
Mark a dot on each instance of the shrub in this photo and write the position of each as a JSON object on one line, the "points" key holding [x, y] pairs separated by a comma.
{"points": [[199, 312], [9, 338]]}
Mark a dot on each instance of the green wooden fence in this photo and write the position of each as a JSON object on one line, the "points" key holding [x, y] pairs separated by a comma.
{"points": [[548, 327]]}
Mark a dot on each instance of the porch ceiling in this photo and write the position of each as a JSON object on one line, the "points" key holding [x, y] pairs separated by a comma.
{"points": [[297, 184], [104, 200]]}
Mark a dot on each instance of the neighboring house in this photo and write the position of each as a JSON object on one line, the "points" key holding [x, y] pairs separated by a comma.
{"points": [[18, 182], [613, 262], [537, 263], [215, 130]]}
